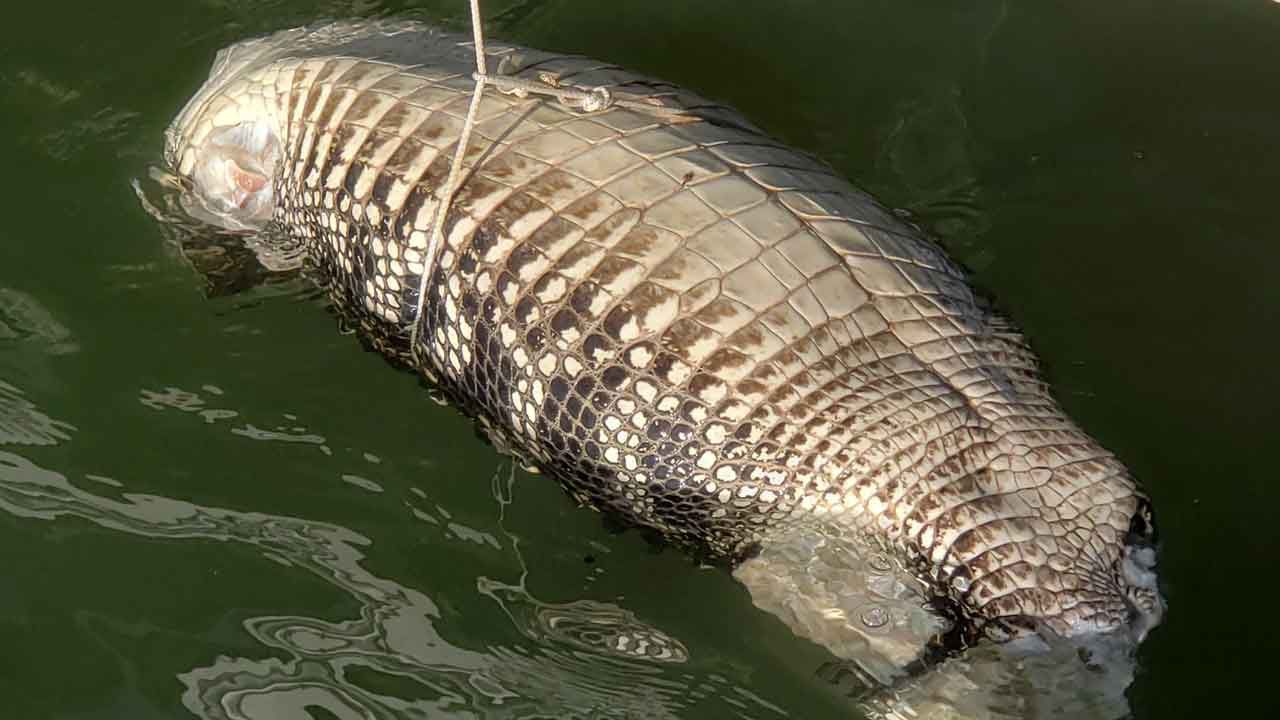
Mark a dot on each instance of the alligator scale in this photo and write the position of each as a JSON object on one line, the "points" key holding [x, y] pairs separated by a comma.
{"points": [[682, 321]]}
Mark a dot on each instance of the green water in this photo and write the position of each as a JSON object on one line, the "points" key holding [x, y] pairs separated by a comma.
{"points": [[225, 495]]}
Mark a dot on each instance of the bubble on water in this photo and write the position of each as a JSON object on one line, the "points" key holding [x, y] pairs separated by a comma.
{"points": [[875, 616]]}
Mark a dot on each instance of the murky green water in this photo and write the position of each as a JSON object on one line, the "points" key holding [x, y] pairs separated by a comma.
{"points": [[224, 508]]}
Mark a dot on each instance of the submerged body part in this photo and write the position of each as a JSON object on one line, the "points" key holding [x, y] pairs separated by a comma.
{"points": [[690, 325]]}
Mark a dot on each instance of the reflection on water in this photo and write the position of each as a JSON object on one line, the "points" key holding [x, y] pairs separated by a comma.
{"points": [[107, 126], [583, 659], [36, 80], [929, 152], [362, 483], [584, 624], [228, 262], [25, 323], [29, 333], [1027, 679], [69, 125], [21, 423], [172, 398]]}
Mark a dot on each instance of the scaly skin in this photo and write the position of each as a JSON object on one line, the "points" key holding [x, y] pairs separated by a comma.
{"points": [[684, 321]]}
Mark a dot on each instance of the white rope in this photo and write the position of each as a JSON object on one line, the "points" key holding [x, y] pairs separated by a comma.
{"points": [[593, 99], [451, 185], [478, 33]]}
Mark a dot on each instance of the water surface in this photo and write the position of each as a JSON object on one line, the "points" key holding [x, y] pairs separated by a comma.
{"points": [[222, 507]]}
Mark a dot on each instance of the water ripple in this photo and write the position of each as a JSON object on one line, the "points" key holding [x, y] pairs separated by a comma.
{"points": [[29, 335], [23, 320], [21, 423], [583, 659]]}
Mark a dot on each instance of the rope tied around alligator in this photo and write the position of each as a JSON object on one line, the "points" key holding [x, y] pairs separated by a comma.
{"points": [[588, 100]]}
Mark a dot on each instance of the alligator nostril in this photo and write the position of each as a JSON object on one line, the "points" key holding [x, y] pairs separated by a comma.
{"points": [[1142, 526]]}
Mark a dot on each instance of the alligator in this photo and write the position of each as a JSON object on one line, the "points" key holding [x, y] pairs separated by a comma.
{"points": [[697, 329]]}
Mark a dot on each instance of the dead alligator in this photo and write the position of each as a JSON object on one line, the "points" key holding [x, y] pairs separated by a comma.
{"points": [[691, 325]]}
